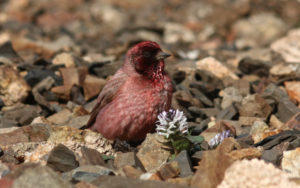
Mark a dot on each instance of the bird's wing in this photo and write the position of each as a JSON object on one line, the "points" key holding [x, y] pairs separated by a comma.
{"points": [[107, 94]]}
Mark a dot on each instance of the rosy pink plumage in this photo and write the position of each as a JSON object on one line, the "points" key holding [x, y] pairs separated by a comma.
{"points": [[128, 105]]}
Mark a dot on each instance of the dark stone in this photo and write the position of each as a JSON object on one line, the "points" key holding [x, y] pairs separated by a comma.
{"points": [[271, 141], [91, 157], [104, 69], [199, 128], [199, 95], [35, 76], [253, 66], [179, 76], [77, 95], [62, 159], [274, 92], [22, 115], [122, 182], [8, 55], [184, 162], [286, 109], [228, 113], [196, 157], [43, 86], [207, 112], [274, 155], [294, 122], [5, 123], [89, 173]]}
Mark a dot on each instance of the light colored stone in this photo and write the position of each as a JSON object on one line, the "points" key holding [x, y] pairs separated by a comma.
{"points": [[289, 46], [291, 162], [255, 174], [177, 33], [230, 95], [65, 59], [215, 67], [293, 90], [153, 153]]}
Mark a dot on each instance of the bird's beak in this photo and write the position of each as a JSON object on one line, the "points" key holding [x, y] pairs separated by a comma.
{"points": [[162, 55]]}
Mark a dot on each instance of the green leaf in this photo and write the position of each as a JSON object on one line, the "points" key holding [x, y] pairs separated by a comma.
{"points": [[195, 139], [181, 144], [107, 157]]}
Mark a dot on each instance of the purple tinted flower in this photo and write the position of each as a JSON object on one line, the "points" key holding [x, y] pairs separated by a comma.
{"points": [[171, 122], [218, 138]]}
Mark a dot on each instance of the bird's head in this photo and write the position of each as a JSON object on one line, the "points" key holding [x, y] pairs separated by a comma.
{"points": [[147, 59]]}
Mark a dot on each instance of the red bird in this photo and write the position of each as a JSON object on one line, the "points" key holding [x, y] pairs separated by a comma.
{"points": [[128, 105]]}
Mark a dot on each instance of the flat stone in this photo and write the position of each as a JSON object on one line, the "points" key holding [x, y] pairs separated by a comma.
{"points": [[214, 163], [64, 58], [254, 106], [169, 170], [152, 153], [31, 133], [216, 68], [62, 159], [92, 86], [274, 155], [293, 90], [288, 46], [290, 162], [14, 89], [286, 109], [255, 174], [40, 176], [228, 113], [89, 173], [123, 159], [230, 95], [60, 117], [91, 157], [184, 162], [131, 172]]}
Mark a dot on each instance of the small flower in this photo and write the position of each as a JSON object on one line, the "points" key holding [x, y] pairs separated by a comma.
{"points": [[171, 123], [218, 138]]}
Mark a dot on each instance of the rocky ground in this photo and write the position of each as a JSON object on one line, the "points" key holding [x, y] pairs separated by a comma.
{"points": [[235, 67]]}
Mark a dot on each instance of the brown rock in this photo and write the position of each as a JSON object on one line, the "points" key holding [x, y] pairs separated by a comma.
{"points": [[65, 59], [90, 157], [246, 153], [153, 152], [123, 159], [288, 46], [211, 169], [60, 117], [293, 90], [169, 170], [31, 133], [255, 106], [214, 66], [13, 88], [92, 86], [294, 122], [131, 172], [71, 77]]}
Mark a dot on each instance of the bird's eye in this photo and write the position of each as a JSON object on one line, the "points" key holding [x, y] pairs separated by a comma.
{"points": [[147, 54]]}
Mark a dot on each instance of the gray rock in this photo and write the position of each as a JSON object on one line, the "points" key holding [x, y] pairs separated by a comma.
{"points": [[40, 176], [91, 157], [62, 159], [89, 173], [184, 163]]}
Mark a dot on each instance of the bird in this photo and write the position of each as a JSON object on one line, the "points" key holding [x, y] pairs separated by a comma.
{"points": [[128, 105]]}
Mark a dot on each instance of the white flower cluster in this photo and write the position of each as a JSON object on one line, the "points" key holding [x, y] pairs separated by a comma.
{"points": [[218, 138], [171, 122]]}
